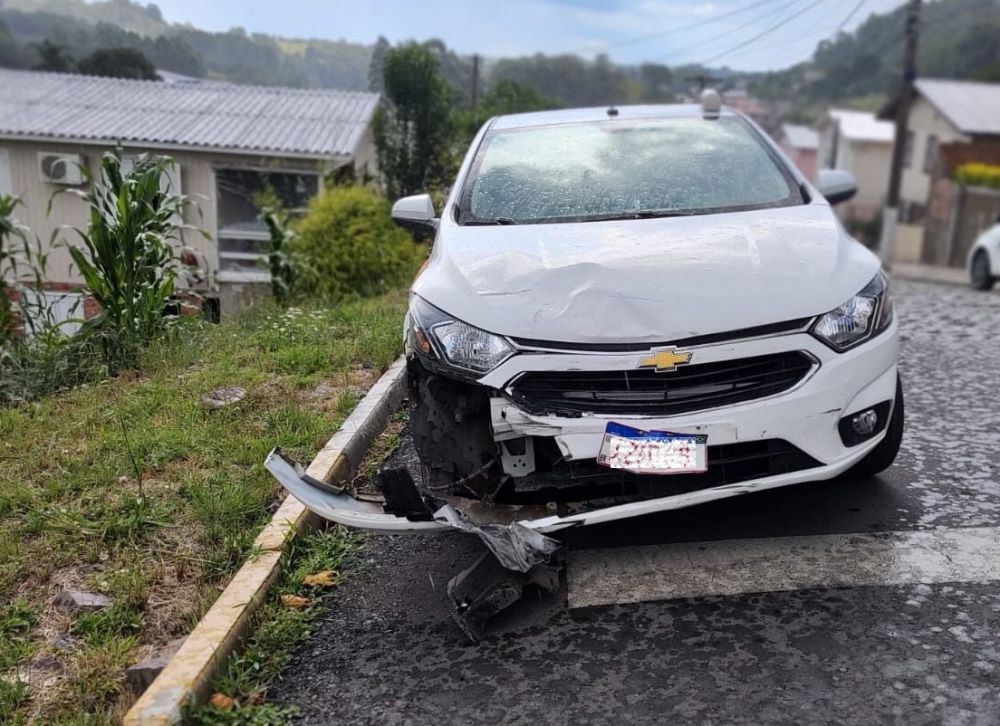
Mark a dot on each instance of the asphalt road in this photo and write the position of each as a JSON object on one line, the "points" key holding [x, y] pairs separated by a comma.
{"points": [[914, 653]]}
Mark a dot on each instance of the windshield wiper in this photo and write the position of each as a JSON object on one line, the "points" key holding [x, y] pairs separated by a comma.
{"points": [[489, 222], [640, 214]]}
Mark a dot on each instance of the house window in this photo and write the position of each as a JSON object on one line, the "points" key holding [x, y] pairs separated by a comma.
{"points": [[930, 154], [243, 238], [6, 184], [908, 150]]}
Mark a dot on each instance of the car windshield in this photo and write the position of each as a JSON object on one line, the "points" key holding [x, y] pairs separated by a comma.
{"points": [[623, 169]]}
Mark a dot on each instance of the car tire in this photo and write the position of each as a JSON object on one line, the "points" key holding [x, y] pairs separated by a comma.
{"points": [[979, 271], [881, 457]]}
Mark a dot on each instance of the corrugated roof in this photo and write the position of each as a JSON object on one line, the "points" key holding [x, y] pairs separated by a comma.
{"points": [[219, 116], [862, 126], [974, 108], [800, 137]]}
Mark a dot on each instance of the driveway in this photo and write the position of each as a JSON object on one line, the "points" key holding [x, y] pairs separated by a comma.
{"points": [[882, 599]]}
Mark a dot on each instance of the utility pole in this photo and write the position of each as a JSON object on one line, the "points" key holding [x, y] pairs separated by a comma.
{"points": [[474, 90], [890, 215]]}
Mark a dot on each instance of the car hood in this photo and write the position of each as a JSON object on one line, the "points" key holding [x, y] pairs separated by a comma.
{"points": [[647, 280]]}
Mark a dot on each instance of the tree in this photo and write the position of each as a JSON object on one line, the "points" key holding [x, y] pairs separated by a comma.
{"points": [[506, 96], [412, 127], [657, 81], [52, 57], [12, 53], [375, 66], [118, 63]]}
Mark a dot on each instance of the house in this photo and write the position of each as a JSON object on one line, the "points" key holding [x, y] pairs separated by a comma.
{"points": [[228, 142], [862, 144], [949, 122], [800, 144]]}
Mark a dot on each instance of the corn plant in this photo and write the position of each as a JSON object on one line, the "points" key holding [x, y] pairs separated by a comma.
{"points": [[9, 230], [283, 265], [126, 259]]}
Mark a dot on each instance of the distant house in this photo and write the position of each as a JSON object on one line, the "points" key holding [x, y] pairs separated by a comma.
{"points": [[950, 122], [800, 144], [227, 141], [862, 144]]}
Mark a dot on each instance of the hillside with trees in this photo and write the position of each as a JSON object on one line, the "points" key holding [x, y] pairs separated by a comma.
{"points": [[959, 39]]}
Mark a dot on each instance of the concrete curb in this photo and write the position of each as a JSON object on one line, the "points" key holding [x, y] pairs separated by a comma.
{"points": [[187, 676]]}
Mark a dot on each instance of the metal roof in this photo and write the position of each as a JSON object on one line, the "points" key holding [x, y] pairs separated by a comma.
{"points": [[800, 137], [973, 108], [862, 126], [218, 116]]}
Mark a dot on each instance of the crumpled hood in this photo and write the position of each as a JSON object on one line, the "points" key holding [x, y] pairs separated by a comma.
{"points": [[651, 280]]}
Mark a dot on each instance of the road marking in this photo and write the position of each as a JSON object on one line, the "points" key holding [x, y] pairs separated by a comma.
{"points": [[732, 567]]}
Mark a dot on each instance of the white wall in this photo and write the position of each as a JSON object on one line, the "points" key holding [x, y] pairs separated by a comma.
{"points": [[925, 120], [197, 180]]}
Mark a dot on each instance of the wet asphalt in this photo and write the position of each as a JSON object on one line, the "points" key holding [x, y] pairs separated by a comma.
{"points": [[387, 651]]}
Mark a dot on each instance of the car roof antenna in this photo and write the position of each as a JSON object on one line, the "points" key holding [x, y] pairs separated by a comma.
{"points": [[711, 104], [612, 111]]}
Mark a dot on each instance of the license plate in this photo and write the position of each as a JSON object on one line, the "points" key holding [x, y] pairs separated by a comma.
{"points": [[653, 452]]}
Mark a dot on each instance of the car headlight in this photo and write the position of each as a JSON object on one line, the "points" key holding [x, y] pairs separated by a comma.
{"points": [[862, 317], [435, 334]]}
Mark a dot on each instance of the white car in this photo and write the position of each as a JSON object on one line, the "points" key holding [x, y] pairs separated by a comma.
{"points": [[984, 258], [631, 310]]}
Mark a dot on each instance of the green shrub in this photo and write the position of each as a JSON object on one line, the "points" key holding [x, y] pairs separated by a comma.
{"points": [[352, 246], [979, 175]]}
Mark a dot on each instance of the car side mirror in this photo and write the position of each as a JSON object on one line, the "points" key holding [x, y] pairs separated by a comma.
{"points": [[836, 185], [415, 213]]}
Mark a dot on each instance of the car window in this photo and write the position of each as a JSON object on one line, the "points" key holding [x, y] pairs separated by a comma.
{"points": [[623, 168]]}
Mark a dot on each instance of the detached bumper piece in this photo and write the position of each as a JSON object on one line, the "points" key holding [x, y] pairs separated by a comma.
{"points": [[517, 555]]}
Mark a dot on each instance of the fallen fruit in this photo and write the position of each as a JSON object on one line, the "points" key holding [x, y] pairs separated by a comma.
{"points": [[326, 578], [295, 602], [221, 701]]}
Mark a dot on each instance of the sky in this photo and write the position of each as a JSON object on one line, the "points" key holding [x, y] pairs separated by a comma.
{"points": [[743, 34]]}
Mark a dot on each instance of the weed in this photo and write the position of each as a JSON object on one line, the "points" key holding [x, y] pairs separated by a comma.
{"points": [[13, 696], [103, 625], [16, 622]]}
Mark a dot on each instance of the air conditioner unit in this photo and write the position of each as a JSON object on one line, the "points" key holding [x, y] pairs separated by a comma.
{"points": [[60, 168]]}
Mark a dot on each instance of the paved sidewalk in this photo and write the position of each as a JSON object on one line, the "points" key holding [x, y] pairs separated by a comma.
{"points": [[930, 273]]}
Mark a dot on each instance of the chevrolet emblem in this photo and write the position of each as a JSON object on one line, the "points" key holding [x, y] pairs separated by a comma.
{"points": [[666, 360]]}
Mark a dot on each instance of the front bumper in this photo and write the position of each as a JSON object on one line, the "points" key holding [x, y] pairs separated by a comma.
{"points": [[806, 416]]}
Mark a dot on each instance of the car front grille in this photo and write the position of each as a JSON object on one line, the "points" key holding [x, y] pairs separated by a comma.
{"points": [[587, 481], [644, 391]]}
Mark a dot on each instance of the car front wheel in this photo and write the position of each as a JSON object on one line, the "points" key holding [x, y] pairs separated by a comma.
{"points": [[979, 271], [881, 457]]}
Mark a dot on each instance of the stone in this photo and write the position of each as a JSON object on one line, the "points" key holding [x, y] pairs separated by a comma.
{"points": [[140, 676], [224, 396], [79, 601]]}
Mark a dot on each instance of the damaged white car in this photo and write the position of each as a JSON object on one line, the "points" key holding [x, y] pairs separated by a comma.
{"points": [[631, 310]]}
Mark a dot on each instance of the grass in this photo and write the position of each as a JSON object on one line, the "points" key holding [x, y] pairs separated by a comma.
{"points": [[279, 629], [135, 489]]}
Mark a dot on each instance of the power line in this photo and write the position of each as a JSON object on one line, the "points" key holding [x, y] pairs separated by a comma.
{"points": [[819, 35], [683, 28], [780, 24], [850, 15], [728, 33]]}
